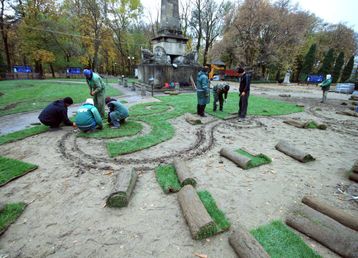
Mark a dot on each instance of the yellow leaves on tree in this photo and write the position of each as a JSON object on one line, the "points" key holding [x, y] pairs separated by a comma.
{"points": [[43, 56]]}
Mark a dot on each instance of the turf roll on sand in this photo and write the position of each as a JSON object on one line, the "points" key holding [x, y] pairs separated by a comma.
{"points": [[293, 152], [183, 172]]}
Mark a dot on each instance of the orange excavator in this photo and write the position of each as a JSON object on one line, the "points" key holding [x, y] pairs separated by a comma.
{"points": [[216, 70]]}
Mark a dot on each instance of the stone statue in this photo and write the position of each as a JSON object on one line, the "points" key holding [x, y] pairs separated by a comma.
{"points": [[160, 55], [287, 77], [147, 56]]}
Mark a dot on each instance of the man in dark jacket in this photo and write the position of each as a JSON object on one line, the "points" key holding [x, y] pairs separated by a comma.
{"points": [[245, 80], [56, 113]]}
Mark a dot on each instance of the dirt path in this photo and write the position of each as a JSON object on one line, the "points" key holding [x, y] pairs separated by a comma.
{"points": [[66, 217]]}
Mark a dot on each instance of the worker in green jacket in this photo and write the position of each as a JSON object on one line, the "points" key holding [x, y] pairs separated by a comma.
{"points": [[88, 117], [97, 89], [117, 112], [202, 91], [325, 87]]}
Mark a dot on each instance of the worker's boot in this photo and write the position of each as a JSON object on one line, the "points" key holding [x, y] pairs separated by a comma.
{"points": [[215, 107], [221, 108], [198, 109], [202, 110]]}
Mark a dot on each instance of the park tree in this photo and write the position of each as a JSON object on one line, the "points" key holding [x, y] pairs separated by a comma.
{"points": [[308, 62], [196, 22], [347, 70], [297, 67], [338, 67], [327, 64], [42, 56], [213, 23]]}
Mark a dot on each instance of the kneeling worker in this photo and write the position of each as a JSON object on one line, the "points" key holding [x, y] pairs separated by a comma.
{"points": [[88, 117], [117, 112], [56, 113]]}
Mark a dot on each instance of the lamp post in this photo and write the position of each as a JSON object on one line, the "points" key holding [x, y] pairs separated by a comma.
{"points": [[115, 71], [130, 59]]}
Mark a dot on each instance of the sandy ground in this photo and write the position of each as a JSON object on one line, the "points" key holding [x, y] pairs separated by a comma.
{"points": [[66, 216]]}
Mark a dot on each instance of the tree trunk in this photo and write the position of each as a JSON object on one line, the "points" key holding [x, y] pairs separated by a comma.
{"points": [[239, 160], [7, 51], [199, 221], [325, 230], [340, 216], [52, 71], [123, 189], [183, 172], [291, 151], [245, 245]]}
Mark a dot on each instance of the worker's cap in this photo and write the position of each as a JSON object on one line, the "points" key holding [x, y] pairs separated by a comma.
{"points": [[87, 73], [89, 101], [328, 76]]}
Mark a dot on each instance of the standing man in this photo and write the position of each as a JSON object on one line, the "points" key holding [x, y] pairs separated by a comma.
{"points": [[117, 112], [220, 92], [56, 113], [325, 87], [202, 91], [97, 89], [88, 117], [245, 80]]}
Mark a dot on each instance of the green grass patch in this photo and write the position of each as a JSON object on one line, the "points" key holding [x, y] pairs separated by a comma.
{"points": [[156, 115], [255, 160], [128, 128], [22, 134], [30, 95], [221, 222], [12, 168], [9, 215], [167, 178], [279, 241]]}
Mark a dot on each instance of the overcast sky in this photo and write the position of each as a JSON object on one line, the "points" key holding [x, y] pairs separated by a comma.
{"points": [[331, 11]]}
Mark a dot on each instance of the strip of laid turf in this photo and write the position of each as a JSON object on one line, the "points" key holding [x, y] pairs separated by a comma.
{"points": [[11, 169], [279, 241], [167, 178], [10, 214], [161, 131], [255, 160], [128, 128], [29, 95], [222, 223], [19, 135]]}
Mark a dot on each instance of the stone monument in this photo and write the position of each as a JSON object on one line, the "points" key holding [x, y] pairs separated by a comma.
{"points": [[168, 62], [286, 80]]}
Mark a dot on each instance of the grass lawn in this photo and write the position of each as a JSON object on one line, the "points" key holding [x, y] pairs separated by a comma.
{"points": [[19, 135], [256, 160], [12, 168], [9, 215], [167, 178], [279, 241], [156, 115], [28, 95], [127, 129]]}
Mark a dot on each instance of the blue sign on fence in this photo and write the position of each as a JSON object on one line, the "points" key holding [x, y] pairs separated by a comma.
{"points": [[73, 70], [22, 69], [315, 78]]}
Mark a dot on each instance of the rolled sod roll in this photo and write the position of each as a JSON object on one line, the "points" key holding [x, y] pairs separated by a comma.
{"points": [[198, 219], [327, 231], [295, 123], [183, 172], [123, 189], [293, 152], [239, 160], [353, 177], [2, 206], [340, 216], [245, 245]]}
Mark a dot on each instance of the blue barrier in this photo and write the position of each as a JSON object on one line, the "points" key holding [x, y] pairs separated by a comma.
{"points": [[21, 69], [73, 70], [315, 78]]}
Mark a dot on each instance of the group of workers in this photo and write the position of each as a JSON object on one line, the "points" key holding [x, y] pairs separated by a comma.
{"points": [[220, 92], [90, 115]]}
